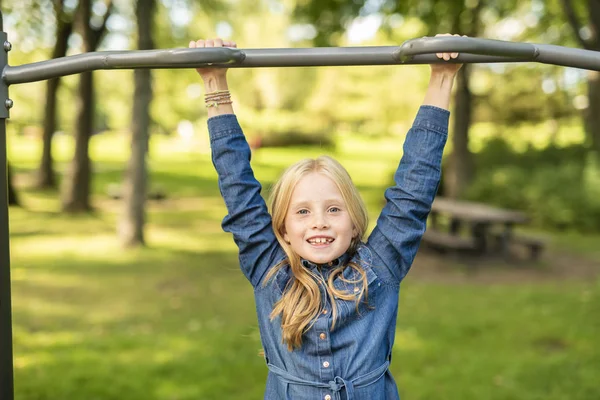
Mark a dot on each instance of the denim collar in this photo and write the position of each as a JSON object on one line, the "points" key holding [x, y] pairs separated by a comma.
{"points": [[341, 260]]}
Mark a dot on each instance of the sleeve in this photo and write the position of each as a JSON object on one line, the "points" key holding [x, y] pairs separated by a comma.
{"points": [[247, 215], [401, 224]]}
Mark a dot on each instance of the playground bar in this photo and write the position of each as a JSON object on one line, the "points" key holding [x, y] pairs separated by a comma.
{"points": [[415, 51]]}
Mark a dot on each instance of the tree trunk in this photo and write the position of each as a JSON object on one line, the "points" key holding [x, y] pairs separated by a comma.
{"points": [[131, 225], [76, 192], [46, 176], [592, 114], [13, 199], [460, 168], [76, 195], [460, 172]]}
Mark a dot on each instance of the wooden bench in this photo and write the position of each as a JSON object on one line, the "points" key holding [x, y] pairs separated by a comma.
{"points": [[445, 241], [535, 245]]}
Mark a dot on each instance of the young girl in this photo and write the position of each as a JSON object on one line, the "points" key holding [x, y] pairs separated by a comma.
{"points": [[327, 301]]}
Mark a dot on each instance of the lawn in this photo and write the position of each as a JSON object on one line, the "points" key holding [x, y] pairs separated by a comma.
{"points": [[176, 320]]}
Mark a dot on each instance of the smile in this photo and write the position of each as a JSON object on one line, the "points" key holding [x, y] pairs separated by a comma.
{"points": [[320, 240]]}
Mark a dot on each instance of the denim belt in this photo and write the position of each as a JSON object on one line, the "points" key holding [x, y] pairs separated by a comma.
{"points": [[336, 385]]}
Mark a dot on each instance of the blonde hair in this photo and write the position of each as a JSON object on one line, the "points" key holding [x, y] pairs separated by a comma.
{"points": [[300, 303]]}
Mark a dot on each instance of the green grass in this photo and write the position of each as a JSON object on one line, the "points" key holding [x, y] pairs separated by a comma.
{"points": [[176, 320]]}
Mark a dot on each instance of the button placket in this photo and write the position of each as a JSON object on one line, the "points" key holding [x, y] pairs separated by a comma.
{"points": [[323, 342]]}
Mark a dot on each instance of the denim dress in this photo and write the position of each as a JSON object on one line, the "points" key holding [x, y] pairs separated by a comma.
{"points": [[351, 362]]}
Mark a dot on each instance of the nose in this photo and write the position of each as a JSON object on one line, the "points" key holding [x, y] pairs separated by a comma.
{"points": [[320, 221]]}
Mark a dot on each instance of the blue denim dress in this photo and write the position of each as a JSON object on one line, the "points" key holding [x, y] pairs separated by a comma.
{"points": [[351, 362]]}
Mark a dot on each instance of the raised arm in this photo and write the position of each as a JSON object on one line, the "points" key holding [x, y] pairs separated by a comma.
{"points": [[401, 224], [247, 216]]}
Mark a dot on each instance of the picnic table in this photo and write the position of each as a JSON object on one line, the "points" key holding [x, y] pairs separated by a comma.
{"points": [[477, 227]]}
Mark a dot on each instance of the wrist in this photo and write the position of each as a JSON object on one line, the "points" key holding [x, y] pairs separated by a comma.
{"points": [[442, 80], [215, 82]]}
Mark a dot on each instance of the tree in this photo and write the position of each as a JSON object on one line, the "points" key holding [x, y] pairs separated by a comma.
{"points": [[587, 35], [76, 194], [439, 16], [13, 199], [64, 27], [131, 225]]}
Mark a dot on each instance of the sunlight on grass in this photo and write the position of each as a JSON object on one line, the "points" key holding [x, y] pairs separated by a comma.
{"points": [[183, 240], [50, 339], [37, 359], [62, 281], [99, 246], [407, 340]]}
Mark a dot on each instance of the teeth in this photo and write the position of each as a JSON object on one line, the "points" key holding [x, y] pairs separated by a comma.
{"points": [[320, 240]]}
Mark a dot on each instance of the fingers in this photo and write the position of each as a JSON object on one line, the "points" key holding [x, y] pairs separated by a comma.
{"points": [[216, 42], [447, 56]]}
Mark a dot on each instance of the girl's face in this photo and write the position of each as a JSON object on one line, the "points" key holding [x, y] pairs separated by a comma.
{"points": [[317, 223]]}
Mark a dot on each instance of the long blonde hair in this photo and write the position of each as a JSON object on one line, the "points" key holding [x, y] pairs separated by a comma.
{"points": [[301, 303]]}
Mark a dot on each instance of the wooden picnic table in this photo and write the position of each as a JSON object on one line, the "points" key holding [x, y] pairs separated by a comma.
{"points": [[475, 226]]}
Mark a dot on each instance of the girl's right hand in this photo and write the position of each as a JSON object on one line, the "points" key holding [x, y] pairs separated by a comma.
{"points": [[209, 72]]}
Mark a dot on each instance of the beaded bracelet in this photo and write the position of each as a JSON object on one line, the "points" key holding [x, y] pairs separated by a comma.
{"points": [[217, 103], [216, 98]]}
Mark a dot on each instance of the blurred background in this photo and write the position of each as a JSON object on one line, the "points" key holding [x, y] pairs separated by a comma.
{"points": [[124, 285]]}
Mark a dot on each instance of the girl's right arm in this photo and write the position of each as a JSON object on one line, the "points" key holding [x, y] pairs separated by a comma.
{"points": [[402, 222], [247, 218]]}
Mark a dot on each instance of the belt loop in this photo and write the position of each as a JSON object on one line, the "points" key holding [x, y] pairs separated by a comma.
{"points": [[349, 390], [287, 391]]}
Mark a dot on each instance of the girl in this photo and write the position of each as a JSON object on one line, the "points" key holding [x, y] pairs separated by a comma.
{"points": [[327, 301]]}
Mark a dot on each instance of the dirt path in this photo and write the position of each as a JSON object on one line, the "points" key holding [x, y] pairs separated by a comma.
{"points": [[551, 267]]}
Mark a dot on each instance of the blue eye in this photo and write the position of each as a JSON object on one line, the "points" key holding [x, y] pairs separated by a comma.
{"points": [[334, 209], [303, 211]]}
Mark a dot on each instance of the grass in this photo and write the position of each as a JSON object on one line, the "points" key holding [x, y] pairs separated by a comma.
{"points": [[176, 320]]}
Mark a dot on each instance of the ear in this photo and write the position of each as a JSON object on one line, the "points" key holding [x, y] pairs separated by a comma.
{"points": [[286, 237], [354, 232]]}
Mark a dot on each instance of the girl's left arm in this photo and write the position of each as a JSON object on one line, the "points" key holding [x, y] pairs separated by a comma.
{"points": [[401, 224]]}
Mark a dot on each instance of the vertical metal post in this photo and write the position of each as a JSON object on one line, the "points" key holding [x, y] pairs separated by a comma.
{"points": [[6, 349]]}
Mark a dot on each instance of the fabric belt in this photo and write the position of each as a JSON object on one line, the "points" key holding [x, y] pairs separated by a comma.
{"points": [[336, 385]]}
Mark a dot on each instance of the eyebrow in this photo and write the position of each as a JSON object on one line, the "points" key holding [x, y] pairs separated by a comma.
{"points": [[308, 202]]}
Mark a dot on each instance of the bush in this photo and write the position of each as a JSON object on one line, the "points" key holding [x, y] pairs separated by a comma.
{"points": [[280, 128], [557, 188]]}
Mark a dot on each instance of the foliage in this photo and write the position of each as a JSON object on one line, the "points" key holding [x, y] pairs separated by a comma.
{"points": [[556, 186]]}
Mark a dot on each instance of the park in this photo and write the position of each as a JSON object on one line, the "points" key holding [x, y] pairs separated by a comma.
{"points": [[124, 285]]}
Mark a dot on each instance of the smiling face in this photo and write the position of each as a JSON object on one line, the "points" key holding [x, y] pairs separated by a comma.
{"points": [[318, 225]]}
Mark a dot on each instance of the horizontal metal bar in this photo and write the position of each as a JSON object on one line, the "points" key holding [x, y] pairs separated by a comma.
{"points": [[170, 58], [487, 47], [415, 51], [542, 53]]}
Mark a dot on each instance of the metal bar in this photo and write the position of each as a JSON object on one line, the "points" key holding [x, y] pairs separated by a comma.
{"points": [[542, 53], [171, 58], [6, 346], [415, 51], [487, 47], [6, 354]]}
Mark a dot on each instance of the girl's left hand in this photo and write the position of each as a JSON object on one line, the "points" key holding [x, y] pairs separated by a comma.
{"points": [[446, 68]]}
